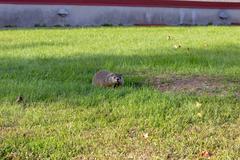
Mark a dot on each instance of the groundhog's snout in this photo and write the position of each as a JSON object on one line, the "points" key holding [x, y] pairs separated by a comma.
{"points": [[118, 79]]}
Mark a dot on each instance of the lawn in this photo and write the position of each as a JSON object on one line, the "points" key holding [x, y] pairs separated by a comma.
{"points": [[64, 117]]}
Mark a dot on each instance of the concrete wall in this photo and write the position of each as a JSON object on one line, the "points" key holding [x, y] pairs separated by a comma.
{"points": [[67, 15]]}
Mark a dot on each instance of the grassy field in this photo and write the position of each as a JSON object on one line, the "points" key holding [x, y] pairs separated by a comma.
{"points": [[64, 117]]}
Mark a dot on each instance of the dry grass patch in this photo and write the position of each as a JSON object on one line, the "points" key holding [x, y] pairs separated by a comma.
{"points": [[199, 84]]}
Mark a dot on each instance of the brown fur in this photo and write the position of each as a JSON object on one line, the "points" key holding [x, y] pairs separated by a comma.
{"points": [[107, 79]]}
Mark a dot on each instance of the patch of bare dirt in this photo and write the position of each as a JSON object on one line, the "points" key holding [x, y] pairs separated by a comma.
{"points": [[195, 84]]}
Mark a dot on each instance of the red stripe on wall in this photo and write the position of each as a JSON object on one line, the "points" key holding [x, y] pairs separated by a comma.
{"points": [[132, 3]]}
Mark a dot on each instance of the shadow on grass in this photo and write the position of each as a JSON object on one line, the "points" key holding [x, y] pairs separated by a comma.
{"points": [[8, 47], [52, 79]]}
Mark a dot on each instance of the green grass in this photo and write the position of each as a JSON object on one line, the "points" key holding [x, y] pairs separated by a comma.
{"points": [[65, 117]]}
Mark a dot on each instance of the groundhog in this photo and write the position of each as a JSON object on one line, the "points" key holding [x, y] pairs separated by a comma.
{"points": [[107, 79]]}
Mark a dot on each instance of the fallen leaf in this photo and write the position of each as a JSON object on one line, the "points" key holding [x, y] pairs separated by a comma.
{"points": [[199, 115], [198, 105], [131, 156], [145, 135], [177, 46], [206, 154], [19, 99]]}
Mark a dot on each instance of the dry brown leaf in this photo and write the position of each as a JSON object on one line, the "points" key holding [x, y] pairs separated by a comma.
{"points": [[19, 99], [206, 154]]}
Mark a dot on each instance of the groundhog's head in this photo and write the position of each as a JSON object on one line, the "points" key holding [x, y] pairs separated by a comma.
{"points": [[116, 79]]}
